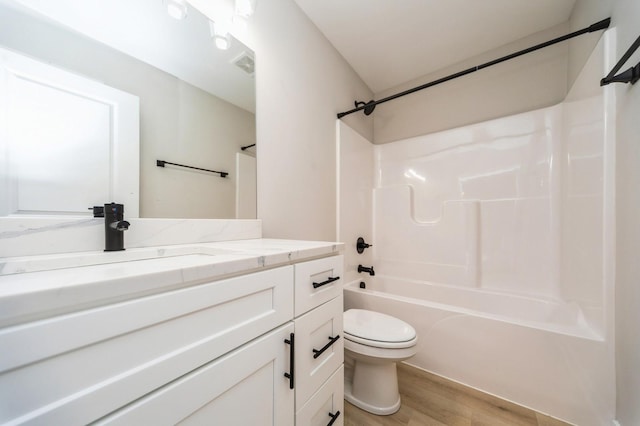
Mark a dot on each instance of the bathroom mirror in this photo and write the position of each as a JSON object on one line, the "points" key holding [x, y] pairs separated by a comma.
{"points": [[196, 102]]}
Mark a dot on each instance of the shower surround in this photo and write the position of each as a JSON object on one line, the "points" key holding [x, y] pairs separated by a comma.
{"points": [[495, 241]]}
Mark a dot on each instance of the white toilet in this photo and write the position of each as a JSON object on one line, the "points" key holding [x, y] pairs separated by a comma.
{"points": [[373, 343]]}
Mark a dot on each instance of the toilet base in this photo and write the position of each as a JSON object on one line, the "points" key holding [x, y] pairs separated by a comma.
{"points": [[380, 411], [372, 387]]}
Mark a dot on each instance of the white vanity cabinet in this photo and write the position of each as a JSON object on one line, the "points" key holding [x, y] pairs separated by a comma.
{"points": [[76, 368], [319, 354], [264, 348]]}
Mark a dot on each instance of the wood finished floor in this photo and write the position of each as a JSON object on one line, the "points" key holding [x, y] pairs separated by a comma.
{"points": [[430, 400]]}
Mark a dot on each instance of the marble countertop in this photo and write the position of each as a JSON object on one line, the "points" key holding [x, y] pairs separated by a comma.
{"points": [[64, 283]]}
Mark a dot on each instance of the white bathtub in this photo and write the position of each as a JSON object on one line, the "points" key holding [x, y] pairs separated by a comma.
{"points": [[554, 316], [530, 351]]}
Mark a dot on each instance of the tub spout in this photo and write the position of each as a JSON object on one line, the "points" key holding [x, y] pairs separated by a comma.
{"points": [[368, 270]]}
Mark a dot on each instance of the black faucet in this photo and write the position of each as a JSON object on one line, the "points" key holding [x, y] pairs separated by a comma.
{"points": [[114, 225], [368, 270]]}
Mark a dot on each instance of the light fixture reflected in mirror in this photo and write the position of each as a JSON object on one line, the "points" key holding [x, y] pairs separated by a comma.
{"points": [[220, 34], [177, 9], [227, 21], [245, 8]]}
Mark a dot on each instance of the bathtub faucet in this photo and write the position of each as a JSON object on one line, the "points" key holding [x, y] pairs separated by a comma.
{"points": [[368, 270]]}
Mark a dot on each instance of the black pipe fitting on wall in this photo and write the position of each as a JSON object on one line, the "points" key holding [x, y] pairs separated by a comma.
{"points": [[361, 245]]}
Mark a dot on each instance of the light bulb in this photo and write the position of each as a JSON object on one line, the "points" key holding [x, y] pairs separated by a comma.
{"points": [[245, 8], [177, 9], [220, 33], [222, 43]]}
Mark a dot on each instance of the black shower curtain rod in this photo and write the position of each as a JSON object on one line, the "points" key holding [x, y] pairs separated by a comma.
{"points": [[369, 106]]}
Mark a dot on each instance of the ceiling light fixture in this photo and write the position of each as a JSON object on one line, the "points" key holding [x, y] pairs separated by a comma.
{"points": [[177, 9]]}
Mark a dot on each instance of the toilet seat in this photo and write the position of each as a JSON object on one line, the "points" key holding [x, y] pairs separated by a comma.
{"points": [[377, 330], [379, 344]]}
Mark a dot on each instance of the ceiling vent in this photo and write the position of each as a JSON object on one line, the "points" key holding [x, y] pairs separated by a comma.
{"points": [[245, 62]]}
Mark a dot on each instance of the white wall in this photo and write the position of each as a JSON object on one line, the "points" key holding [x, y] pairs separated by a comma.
{"points": [[246, 186], [626, 18], [355, 183], [585, 13], [302, 83], [530, 82]]}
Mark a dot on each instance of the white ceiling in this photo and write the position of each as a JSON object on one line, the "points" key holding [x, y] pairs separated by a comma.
{"points": [[389, 42]]}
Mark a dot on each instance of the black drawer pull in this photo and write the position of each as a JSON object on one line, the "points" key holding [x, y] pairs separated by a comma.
{"points": [[334, 417], [317, 353], [292, 352], [328, 281]]}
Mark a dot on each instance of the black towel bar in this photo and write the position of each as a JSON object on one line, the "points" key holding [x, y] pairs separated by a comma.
{"points": [[161, 163]]}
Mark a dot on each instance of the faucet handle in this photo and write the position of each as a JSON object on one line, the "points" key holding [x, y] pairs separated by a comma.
{"points": [[361, 245], [123, 225], [98, 211]]}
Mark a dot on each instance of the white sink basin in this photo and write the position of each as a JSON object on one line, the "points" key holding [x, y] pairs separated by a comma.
{"points": [[19, 265]]}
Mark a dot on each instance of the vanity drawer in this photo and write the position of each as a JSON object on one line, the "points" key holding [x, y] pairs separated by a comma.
{"points": [[317, 282], [319, 349], [326, 404], [74, 368]]}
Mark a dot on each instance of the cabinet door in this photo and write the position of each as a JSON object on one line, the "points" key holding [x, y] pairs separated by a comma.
{"points": [[326, 406], [245, 387], [317, 282], [319, 348]]}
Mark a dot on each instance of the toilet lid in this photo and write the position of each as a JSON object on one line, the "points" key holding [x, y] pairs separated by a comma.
{"points": [[377, 327]]}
